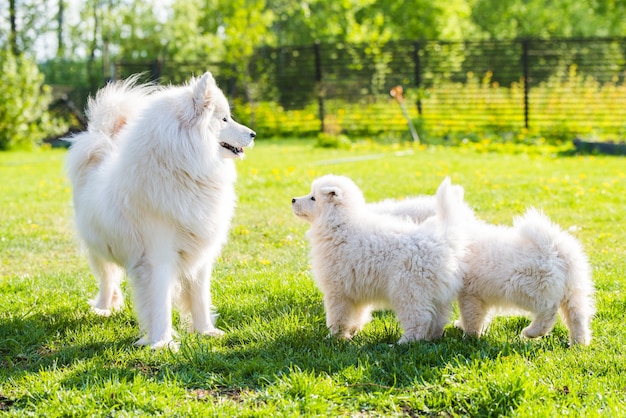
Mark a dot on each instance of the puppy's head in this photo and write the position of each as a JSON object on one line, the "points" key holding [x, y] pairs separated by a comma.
{"points": [[329, 195], [209, 105]]}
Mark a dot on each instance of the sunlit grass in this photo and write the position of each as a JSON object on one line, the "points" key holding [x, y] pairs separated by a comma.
{"points": [[57, 358]]}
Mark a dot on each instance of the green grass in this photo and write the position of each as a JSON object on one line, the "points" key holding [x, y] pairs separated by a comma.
{"points": [[58, 359]]}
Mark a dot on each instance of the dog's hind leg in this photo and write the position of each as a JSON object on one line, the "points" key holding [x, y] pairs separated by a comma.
{"points": [[417, 316], [109, 275], [197, 294], [577, 312], [473, 312], [542, 323]]}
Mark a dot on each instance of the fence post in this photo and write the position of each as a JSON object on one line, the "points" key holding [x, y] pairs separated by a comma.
{"points": [[526, 76], [418, 75], [318, 80], [155, 70]]}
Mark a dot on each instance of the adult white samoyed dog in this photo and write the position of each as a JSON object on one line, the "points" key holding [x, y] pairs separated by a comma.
{"points": [[153, 190]]}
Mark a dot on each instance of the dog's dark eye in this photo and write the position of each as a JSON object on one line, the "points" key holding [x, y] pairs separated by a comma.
{"points": [[225, 119], [313, 198]]}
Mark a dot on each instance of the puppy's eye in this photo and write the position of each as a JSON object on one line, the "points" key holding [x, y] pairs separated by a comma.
{"points": [[313, 198], [225, 119]]}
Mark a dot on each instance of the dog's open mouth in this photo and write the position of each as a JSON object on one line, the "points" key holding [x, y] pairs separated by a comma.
{"points": [[235, 150]]}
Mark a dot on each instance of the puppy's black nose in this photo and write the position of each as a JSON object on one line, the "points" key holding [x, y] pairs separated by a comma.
{"points": [[293, 200]]}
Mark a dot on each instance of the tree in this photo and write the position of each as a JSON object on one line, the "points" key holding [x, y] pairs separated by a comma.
{"points": [[516, 19], [24, 101]]}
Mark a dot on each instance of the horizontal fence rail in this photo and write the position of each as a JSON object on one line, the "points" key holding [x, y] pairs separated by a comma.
{"points": [[559, 88]]}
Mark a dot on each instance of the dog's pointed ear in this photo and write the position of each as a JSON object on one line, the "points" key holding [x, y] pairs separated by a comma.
{"points": [[202, 92], [332, 192]]}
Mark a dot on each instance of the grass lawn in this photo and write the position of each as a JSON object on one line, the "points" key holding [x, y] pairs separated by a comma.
{"points": [[59, 359]]}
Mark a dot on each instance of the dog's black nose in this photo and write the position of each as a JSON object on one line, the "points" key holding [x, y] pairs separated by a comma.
{"points": [[293, 200]]}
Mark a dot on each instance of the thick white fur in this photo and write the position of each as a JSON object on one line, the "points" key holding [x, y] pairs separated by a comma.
{"points": [[533, 266], [153, 193], [363, 260], [417, 208]]}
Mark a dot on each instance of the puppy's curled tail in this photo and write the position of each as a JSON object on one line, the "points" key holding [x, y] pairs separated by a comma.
{"points": [[577, 306], [452, 211]]}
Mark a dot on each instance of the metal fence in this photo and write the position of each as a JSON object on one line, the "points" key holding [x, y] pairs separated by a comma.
{"points": [[562, 87]]}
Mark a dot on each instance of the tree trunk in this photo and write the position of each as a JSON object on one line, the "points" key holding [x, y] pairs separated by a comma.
{"points": [[13, 30]]}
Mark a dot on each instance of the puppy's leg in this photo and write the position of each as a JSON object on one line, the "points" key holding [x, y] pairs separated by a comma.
{"points": [[198, 294], [109, 296], [361, 316], [473, 315], [339, 313], [577, 312], [416, 314], [542, 323], [443, 315]]}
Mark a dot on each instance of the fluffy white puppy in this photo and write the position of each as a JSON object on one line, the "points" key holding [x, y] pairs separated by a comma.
{"points": [[363, 260], [153, 189], [534, 266]]}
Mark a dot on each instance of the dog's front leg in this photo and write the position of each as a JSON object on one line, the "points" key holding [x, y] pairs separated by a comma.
{"points": [[153, 299], [198, 294], [339, 312]]}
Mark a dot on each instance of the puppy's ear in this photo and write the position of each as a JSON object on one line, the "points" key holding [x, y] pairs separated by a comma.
{"points": [[202, 92], [332, 193]]}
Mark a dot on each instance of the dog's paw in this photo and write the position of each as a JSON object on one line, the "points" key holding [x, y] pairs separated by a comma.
{"points": [[101, 309], [412, 338], [213, 332], [101, 312], [170, 344]]}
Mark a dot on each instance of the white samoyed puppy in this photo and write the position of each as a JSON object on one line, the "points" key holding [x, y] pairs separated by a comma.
{"points": [[153, 191], [534, 266], [363, 260]]}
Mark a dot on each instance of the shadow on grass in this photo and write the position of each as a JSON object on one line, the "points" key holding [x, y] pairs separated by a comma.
{"points": [[250, 357]]}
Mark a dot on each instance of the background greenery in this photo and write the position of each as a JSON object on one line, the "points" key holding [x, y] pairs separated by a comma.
{"points": [[58, 359], [79, 45]]}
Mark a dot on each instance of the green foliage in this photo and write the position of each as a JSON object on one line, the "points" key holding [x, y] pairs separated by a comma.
{"points": [[24, 99], [513, 19], [561, 109], [58, 359]]}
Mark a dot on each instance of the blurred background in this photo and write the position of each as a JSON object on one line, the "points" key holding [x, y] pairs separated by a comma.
{"points": [[529, 71]]}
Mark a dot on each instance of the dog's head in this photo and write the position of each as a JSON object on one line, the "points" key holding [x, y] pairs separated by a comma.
{"points": [[210, 104], [329, 194]]}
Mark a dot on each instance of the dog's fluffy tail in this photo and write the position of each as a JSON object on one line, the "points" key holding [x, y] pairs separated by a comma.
{"points": [[453, 213], [577, 306], [114, 104], [107, 113]]}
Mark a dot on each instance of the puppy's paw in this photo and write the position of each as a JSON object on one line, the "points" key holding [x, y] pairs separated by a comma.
{"points": [[411, 338], [530, 333], [102, 309]]}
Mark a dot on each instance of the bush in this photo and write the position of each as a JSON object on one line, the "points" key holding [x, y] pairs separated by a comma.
{"points": [[24, 101]]}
